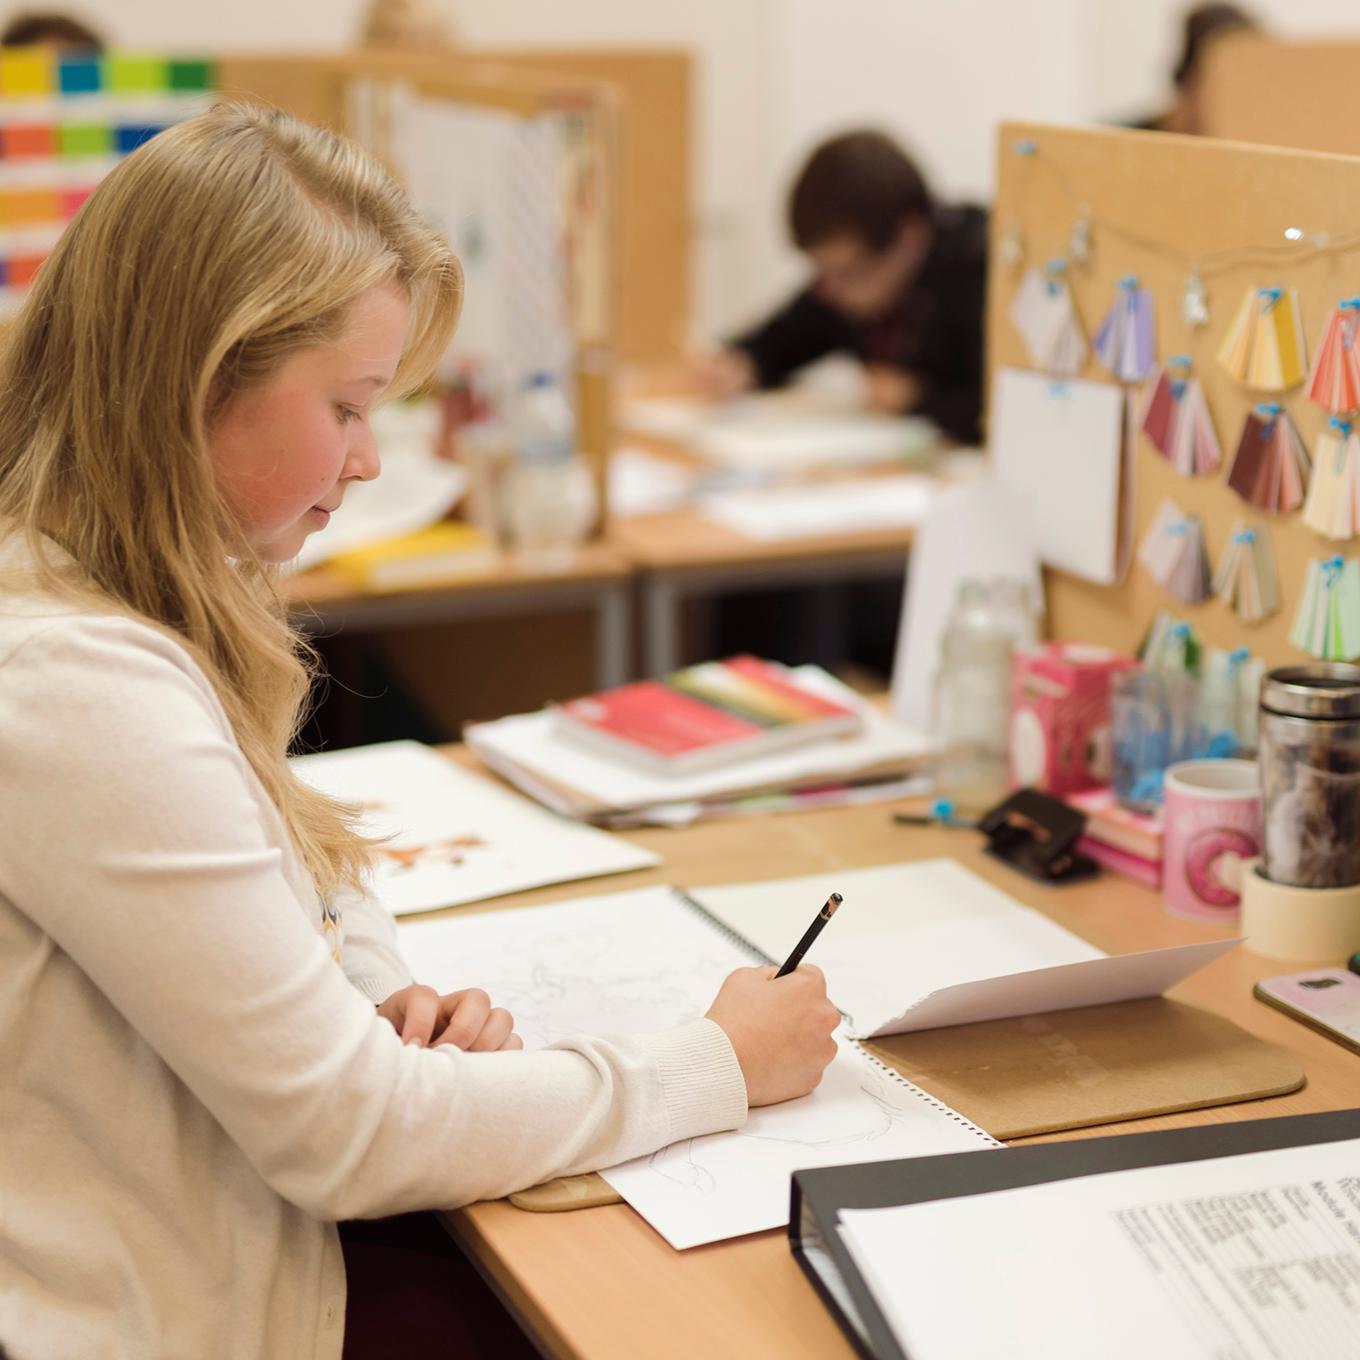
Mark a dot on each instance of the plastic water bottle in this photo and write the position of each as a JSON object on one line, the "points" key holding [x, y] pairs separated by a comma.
{"points": [[552, 499]]}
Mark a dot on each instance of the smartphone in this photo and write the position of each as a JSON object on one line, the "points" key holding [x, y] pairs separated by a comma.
{"points": [[1324, 999]]}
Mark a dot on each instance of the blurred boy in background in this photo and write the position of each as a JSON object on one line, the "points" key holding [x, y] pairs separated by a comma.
{"points": [[898, 281]]}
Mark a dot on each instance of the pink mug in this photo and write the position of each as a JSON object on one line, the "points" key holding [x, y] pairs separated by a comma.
{"points": [[1212, 826]]}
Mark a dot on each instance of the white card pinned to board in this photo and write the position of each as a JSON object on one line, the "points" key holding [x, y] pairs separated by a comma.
{"points": [[1060, 446]]}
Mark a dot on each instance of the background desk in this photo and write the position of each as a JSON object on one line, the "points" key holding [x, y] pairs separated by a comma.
{"points": [[680, 555], [497, 641], [599, 1283]]}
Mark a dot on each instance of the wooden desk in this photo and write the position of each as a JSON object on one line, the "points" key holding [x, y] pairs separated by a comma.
{"points": [[599, 578], [599, 1283], [680, 554]]}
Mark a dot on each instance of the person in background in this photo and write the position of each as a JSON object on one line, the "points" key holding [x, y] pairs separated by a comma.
{"points": [[1202, 27], [898, 281], [415, 25], [47, 28]]}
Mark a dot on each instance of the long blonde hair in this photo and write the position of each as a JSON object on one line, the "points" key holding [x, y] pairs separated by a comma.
{"points": [[205, 259]]}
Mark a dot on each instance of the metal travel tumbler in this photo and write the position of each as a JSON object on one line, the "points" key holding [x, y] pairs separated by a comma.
{"points": [[1310, 774]]}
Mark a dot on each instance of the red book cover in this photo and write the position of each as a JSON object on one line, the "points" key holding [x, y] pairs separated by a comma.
{"points": [[707, 715]]}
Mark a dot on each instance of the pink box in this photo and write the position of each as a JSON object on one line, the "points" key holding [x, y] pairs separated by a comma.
{"points": [[1060, 716]]}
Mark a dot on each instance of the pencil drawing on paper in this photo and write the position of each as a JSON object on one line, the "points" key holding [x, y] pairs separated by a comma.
{"points": [[839, 1125]]}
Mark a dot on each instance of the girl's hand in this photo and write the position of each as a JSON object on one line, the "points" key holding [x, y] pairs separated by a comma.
{"points": [[466, 1019]]}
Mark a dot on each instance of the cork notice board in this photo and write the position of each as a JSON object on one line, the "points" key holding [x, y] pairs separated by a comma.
{"points": [[1158, 204]]}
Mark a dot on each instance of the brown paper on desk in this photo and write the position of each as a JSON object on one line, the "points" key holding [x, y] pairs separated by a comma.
{"points": [[1066, 1069], [1072, 1069]]}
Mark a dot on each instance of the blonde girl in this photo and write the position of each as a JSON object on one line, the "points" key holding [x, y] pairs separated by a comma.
{"points": [[210, 1050]]}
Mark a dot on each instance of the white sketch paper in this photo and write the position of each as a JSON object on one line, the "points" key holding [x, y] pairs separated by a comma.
{"points": [[455, 837], [640, 962], [1060, 446], [904, 930]]}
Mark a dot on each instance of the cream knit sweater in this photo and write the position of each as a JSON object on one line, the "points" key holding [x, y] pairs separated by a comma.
{"points": [[191, 1090]]}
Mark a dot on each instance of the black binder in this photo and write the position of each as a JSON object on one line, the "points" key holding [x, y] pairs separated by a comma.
{"points": [[820, 1194]]}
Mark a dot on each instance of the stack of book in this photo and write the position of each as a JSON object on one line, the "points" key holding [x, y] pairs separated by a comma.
{"points": [[1127, 843], [701, 741]]}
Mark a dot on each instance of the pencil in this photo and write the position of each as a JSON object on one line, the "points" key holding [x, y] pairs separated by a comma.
{"points": [[810, 934]]}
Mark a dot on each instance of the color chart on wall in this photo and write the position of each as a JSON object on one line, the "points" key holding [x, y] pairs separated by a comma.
{"points": [[66, 119]]}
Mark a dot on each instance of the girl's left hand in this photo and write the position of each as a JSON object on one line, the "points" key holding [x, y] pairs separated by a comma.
{"points": [[466, 1019]]}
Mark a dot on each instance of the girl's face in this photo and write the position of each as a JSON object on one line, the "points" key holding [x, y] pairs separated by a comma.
{"points": [[284, 451]]}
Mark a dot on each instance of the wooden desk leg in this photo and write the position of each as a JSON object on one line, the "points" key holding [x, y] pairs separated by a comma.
{"points": [[661, 602], [613, 640]]}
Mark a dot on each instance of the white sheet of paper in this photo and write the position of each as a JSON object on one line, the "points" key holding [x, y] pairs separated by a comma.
{"points": [[816, 441], [456, 837], [776, 514], [976, 531], [729, 1184], [782, 431], [639, 962], [415, 488], [903, 931], [522, 746], [1253, 1257], [1060, 445], [1090, 982], [642, 484]]}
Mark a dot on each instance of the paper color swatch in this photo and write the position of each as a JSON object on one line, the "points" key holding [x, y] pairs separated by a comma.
{"points": [[1126, 341], [1173, 553], [1046, 317], [1177, 422], [1246, 579], [1327, 624], [1270, 468], [1264, 345], [1333, 504], [1334, 382]]}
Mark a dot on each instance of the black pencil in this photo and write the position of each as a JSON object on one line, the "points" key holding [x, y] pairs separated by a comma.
{"points": [[810, 934]]}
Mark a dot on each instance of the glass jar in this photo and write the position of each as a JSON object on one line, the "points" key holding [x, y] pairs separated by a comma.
{"points": [[551, 508], [972, 701], [1310, 775]]}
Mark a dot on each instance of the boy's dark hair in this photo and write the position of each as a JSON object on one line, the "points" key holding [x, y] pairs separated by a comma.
{"points": [[60, 30], [1203, 23], [860, 184]]}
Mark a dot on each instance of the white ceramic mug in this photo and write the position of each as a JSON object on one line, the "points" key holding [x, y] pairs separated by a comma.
{"points": [[1212, 815]]}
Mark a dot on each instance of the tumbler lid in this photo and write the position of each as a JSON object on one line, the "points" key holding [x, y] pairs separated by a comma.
{"points": [[1321, 689]]}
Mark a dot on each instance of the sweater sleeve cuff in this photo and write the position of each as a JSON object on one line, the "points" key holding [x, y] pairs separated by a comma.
{"points": [[377, 987], [701, 1083]]}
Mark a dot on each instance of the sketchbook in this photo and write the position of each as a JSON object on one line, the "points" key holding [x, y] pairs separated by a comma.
{"points": [[447, 836], [644, 961], [931, 944]]}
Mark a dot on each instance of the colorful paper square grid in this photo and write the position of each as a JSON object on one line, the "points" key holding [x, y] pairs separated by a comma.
{"points": [[63, 117], [41, 73]]}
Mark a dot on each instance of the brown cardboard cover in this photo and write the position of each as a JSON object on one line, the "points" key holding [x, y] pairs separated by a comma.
{"points": [[1093, 1065]]}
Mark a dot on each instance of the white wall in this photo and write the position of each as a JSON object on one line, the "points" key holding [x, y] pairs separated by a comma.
{"points": [[776, 76]]}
